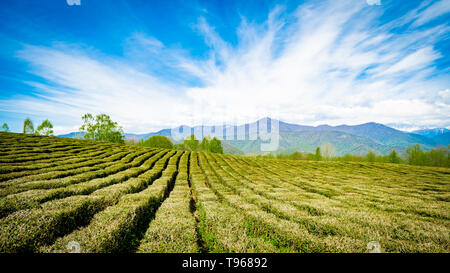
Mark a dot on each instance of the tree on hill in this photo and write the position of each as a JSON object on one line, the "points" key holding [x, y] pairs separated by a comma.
{"points": [[438, 157], [205, 144], [371, 156], [414, 155], [215, 146], [101, 128], [28, 127], [158, 142], [191, 143], [318, 155], [45, 128], [328, 150], [5, 127], [393, 157]]}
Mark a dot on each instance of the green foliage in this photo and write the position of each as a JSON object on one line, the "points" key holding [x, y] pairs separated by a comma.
{"points": [[215, 146], [205, 144], [208, 144], [371, 156], [293, 156], [45, 128], [101, 128], [179, 146], [318, 155], [191, 143], [5, 127], [414, 155], [393, 157], [349, 157], [158, 142], [28, 127]]}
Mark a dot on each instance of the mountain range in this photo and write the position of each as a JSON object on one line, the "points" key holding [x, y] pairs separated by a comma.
{"points": [[351, 139]]}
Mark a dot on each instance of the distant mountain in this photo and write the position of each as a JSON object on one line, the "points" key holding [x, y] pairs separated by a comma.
{"points": [[73, 135], [164, 132], [442, 139], [384, 134], [352, 139], [308, 141], [431, 133]]}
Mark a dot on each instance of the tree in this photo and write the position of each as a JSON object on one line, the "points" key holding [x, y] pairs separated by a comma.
{"points": [[45, 128], [205, 144], [318, 155], [215, 146], [436, 157], [371, 156], [414, 155], [393, 157], [5, 127], [28, 127], [158, 142], [446, 152], [191, 143], [101, 128], [328, 150]]}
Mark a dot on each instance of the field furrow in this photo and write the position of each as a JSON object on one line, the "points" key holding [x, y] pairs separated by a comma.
{"points": [[174, 226], [221, 227]]}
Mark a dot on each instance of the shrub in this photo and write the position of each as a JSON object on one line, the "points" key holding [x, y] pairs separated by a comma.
{"points": [[158, 142], [371, 156], [191, 143], [393, 157]]}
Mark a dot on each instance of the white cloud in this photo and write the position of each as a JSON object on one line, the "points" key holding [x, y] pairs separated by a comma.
{"points": [[432, 12], [328, 66], [415, 61]]}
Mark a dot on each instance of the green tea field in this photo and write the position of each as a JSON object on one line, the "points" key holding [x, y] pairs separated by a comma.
{"points": [[57, 194]]}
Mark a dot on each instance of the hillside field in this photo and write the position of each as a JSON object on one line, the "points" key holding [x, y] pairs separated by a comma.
{"points": [[105, 197]]}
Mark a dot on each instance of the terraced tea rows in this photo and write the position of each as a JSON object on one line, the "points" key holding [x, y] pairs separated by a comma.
{"points": [[121, 198]]}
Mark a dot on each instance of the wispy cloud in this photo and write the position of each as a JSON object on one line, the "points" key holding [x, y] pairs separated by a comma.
{"points": [[325, 63], [433, 11]]}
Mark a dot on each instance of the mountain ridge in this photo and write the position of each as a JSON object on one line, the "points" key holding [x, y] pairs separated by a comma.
{"points": [[353, 139]]}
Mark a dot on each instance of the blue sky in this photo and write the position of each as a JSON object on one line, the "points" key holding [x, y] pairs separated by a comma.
{"points": [[157, 64]]}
